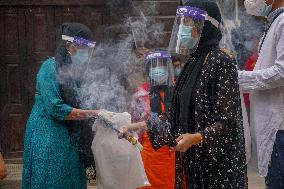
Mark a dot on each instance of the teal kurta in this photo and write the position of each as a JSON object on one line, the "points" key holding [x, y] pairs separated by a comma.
{"points": [[51, 160]]}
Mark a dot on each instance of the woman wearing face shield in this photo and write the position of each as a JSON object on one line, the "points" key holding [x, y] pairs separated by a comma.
{"points": [[206, 117], [155, 96], [55, 126]]}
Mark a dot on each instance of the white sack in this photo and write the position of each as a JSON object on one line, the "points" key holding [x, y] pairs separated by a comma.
{"points": [[118, 163]]}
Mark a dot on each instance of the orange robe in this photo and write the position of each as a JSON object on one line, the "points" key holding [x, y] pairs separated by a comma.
{"points": [[159, 165]]}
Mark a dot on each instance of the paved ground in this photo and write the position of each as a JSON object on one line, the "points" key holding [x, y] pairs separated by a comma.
{"points": [[255, 181], [13, 180]]}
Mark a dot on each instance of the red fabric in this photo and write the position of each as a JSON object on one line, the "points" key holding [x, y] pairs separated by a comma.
{"points": [[249, 66], [159, 165]]}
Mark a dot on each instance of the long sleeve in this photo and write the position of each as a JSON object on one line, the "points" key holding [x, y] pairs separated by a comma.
{"points": [[271, 77], [50, 93], [159, 132], [225, 105]]}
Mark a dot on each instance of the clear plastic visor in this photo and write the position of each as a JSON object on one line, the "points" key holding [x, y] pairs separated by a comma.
{"points": [[187, 30], [160, 71]]}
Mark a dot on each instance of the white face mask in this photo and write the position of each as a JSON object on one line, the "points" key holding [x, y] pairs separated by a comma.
{"points": [[258, 7]]}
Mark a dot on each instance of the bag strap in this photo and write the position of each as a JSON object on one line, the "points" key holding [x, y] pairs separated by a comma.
{"points": [[267, 29]]}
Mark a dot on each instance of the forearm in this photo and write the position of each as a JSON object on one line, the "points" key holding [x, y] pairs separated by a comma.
{"points": [[214, 132], [79, 114], [197, 139], [269, 78], [138, 126]]}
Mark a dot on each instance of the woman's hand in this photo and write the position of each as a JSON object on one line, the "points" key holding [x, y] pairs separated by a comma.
{"points": [[3, 170], [92, 113], [185, 141], [79, 114], [124, 130]]}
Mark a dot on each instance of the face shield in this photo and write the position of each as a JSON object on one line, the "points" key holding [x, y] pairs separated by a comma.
{"points": [[187, 29], [159, 68], [81, 56], [84, 49]]}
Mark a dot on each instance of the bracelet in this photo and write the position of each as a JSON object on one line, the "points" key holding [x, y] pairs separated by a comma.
{"points": [[201, 139]]}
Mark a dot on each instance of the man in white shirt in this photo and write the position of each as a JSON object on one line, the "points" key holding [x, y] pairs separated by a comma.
{"points": [[266, 86]]}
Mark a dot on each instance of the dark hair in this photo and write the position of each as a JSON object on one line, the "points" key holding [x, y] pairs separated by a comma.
{"points": [[175, 59]]}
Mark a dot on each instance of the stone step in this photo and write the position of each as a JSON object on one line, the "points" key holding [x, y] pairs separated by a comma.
{"points": [[8, 184], [14, 178], [14, 172], [14, 160], [16, 154]]}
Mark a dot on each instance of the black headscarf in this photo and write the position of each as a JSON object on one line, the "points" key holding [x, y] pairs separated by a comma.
{"points": [[63, 61], [80, 131], [183, 113]]}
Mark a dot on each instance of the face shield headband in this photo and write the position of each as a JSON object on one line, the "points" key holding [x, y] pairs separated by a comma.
{"points": [[196, 13], [84, 53], [187, 29], [79, 41]]}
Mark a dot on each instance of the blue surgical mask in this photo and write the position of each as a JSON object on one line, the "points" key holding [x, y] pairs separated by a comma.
{"points": [[249, 45], [266, 10], [258, 7], [159, 75], [177, 71], [81, 56], [185, 37]]}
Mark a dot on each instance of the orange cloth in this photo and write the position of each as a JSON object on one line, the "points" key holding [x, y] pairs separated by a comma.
{"points": [[159, 165], [162, 94]]}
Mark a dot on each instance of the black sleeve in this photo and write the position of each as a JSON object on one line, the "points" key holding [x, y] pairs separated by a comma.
{"points": [[225, 106], [159, 132]]}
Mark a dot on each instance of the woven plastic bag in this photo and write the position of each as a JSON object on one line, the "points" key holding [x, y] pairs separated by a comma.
{"points": [[118, 163]]}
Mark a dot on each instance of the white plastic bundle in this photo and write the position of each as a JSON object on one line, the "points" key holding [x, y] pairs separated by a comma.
{"points": [[118, 163]]}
